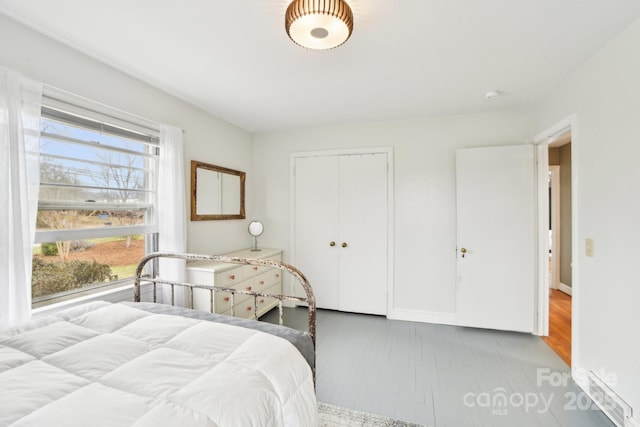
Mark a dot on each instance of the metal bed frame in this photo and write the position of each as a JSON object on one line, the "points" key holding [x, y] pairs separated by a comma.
{"points": [[310, 299]]}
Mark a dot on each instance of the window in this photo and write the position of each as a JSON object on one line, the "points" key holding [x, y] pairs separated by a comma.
{"points": [[97, 200]]}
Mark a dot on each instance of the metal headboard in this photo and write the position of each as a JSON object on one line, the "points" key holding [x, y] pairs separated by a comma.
{"points": [[310, 299]]}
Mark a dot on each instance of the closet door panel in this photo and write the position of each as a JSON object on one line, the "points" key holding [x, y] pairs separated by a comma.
{"points": [[362, 206], [316, 217]]}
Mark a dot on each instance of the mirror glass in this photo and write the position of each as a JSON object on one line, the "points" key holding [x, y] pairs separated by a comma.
{"points": [[255, 228], [216, 192]]}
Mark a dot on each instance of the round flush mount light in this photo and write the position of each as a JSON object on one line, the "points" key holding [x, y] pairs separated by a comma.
{"points": [[319, 24]]}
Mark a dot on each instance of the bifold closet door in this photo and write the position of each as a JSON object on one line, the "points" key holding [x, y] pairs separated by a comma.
{"points": [[341, 229], [316, 223], [362, 206]]}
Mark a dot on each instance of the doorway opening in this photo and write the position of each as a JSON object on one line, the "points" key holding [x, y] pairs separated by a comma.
{"points": [[560, 245]]}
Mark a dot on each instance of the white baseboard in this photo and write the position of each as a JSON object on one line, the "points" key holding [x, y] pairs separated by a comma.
{"points": [[564, 288], [423, 316]]}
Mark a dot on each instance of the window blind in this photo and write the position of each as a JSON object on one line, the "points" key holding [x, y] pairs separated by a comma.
{"points": [[97, 172]]}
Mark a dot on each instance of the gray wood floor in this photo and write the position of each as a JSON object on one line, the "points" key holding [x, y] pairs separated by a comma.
{"points": [[441, 376]]}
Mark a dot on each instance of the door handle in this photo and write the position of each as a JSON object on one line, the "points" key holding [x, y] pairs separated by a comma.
{"points": [[344, 244], [463, 251], [332, 244]]}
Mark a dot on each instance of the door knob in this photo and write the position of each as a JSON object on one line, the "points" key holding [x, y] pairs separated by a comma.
{"points": [[344, 244], [464, 251], [332, 244]]}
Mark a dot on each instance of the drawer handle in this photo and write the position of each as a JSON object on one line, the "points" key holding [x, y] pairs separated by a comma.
{"points": [[277, 275], [249, 308], [262, 301], [262, 282], [226, 299], [249, 288], [232, 277], [255, 268]]}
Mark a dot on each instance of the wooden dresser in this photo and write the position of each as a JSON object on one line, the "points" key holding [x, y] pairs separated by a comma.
{"points": [[236, 276]]}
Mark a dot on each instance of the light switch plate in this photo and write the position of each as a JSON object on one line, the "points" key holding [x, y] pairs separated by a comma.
{"points": [[588, 247]]}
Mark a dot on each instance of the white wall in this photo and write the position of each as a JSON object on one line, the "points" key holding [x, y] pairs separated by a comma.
{"points": [[207, 138], [425, 232], [605, 95]]}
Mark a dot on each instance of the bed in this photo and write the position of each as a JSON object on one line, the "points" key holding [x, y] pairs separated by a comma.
{"points": [[147, 364]]}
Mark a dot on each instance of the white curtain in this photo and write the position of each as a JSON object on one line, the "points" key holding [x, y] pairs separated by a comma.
{"points": [[172, 209], [20, 102]]}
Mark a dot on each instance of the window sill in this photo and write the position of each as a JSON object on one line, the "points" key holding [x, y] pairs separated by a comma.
{"points": [[121, 293]]}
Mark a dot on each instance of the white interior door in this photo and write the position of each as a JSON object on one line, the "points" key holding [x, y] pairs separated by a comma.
{"points": [[362, 263], [554, 243], [316, 226], [496, 233]]}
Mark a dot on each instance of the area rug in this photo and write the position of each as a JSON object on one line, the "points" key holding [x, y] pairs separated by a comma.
{"points": [[335, 416]]}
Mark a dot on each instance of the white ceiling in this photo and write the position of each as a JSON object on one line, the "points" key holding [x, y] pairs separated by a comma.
{"points": [[405, 59]]}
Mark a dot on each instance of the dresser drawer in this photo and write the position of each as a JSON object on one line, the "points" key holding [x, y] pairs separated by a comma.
{"points": [[202, 297], [253, 270], [245, 309], [265, 301], [227, 278], [222, 300], [265, 304], [266, 280], [245, 285]]}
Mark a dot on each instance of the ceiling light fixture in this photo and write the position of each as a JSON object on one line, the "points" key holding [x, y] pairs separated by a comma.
{"points": [[319, 24]]}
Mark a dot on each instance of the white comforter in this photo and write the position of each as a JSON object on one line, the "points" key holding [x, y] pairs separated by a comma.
{"points": [[112, 365]]}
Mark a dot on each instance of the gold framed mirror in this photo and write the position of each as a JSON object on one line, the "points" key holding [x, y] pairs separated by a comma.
{"points": [[216, 192]]}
